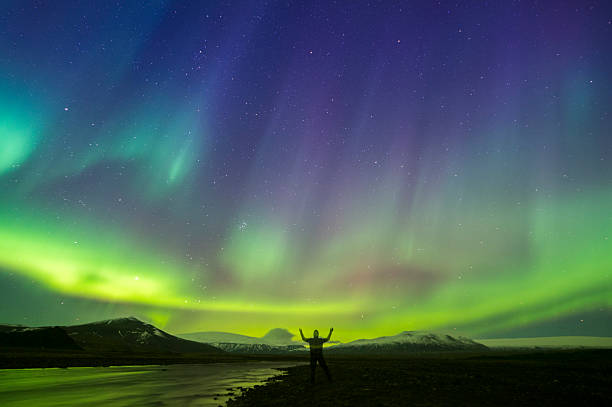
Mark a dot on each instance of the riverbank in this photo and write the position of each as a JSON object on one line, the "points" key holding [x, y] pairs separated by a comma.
{"points": [[578, 377]]}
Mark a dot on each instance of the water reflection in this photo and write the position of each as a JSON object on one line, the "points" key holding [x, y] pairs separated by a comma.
{"points": [[174, 385]]}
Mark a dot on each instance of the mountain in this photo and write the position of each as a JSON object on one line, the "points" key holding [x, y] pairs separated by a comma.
{"points": [[220, 337], [275, 337], [406, 342], [132, 335], [113, 335], [279, 341], [42, 338], [258, 348], [279, 336], [276, 341]]}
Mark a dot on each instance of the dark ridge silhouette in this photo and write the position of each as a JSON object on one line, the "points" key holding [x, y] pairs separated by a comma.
{"points": [[128, 335], [278, 336], [41, 338]]}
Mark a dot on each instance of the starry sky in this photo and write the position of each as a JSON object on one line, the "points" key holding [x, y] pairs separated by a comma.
{"points": [[374, 166]]}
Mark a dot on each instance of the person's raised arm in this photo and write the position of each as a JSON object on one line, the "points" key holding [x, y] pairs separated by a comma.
{"points": [[302, 334], [329, 336]]}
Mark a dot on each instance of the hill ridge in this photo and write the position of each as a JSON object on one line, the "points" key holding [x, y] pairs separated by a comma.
{"points": [[127, 334]]}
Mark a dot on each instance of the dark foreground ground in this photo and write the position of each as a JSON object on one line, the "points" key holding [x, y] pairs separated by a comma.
{"points": [[576, 377]]}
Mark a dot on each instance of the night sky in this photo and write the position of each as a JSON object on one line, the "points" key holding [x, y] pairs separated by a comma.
{"points": [[373, 166]]}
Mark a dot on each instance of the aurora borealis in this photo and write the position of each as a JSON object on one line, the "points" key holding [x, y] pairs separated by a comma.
{"points": [[375, 167]]}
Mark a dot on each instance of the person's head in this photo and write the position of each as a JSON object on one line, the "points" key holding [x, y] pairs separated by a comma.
{"points": [[315, 333]]}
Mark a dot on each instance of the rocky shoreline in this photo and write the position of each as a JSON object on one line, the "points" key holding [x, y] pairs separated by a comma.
{"points": [[578, 377]]}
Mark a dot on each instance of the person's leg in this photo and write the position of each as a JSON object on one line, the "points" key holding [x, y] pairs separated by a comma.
{"points": [[313, 365], [324, 366]]}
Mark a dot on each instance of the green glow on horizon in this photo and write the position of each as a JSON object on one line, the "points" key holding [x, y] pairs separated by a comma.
{"points": [[79, 264], [569, 270]]}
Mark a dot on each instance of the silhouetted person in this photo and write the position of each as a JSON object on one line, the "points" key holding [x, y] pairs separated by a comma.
{"points": [[316, 353]]}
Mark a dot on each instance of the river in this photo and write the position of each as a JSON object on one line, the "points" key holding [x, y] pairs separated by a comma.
{"points": [[172, 385]]}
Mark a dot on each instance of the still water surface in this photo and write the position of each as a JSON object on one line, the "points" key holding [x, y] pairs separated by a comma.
{"points": [[173, 385]]}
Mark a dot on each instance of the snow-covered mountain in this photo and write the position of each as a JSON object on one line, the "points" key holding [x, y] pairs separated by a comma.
{"points": [[279, 341], [219, 337], [131, 334], [112, 335], [408, 341], [259, 348], [276, 341], [274, 337]]}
